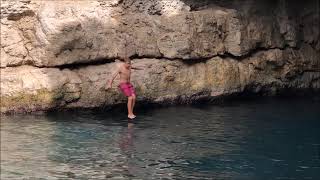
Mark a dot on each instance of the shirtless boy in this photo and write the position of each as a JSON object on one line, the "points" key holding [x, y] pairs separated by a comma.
{"points": [[125, 86]]}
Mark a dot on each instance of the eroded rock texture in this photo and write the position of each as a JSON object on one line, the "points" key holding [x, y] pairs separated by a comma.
{"points": [[59, 54]]}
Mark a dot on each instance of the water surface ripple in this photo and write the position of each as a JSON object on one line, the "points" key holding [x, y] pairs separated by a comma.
{"points": [[270, 139]]}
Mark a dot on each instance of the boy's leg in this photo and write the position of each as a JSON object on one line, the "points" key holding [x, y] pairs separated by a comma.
{"points": [[133, 102], [129, 106]]}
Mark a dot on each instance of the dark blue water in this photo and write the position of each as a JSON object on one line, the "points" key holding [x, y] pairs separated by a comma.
{"points": [[269, 139]]}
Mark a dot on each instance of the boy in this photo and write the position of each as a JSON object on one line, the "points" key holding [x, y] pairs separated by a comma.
{"points": [[125, 86]]}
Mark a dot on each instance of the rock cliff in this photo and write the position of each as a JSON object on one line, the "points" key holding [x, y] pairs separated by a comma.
{"points": [[59, 54]]}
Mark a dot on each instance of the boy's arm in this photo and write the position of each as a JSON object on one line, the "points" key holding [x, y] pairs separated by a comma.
{"points": [[112, 79], [137, 67]]}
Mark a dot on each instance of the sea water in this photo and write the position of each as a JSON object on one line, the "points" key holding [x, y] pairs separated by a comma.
{"points": [[265, 139]]}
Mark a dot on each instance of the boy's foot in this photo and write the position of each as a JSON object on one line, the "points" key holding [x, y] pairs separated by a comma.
{"points": [[131, 116]]}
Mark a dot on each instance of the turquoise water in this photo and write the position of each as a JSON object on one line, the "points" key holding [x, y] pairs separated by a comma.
{"points": [[269, 139]]}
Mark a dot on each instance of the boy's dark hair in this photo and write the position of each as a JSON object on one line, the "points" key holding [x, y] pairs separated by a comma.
{"points": [[127, 60]]}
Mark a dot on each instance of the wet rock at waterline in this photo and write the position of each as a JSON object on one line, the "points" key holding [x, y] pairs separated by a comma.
{"points": [[58, 54]]}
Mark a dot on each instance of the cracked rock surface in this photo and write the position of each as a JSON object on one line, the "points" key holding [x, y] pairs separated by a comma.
{"points": [[59, 54]]}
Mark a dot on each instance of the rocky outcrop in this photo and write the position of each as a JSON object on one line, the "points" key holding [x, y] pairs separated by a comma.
{"points": [[58, 54]]}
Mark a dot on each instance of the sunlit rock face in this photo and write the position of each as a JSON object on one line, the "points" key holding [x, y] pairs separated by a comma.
{"points": [[59, 54]]}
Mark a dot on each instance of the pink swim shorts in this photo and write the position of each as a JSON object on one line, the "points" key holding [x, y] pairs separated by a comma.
{"points": [[127, 89]]}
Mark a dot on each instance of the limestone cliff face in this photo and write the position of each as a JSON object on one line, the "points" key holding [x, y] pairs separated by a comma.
{"points": [[59, 54]]}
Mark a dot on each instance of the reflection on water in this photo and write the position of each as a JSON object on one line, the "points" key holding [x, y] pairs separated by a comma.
{"points": [[253, 140]]}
